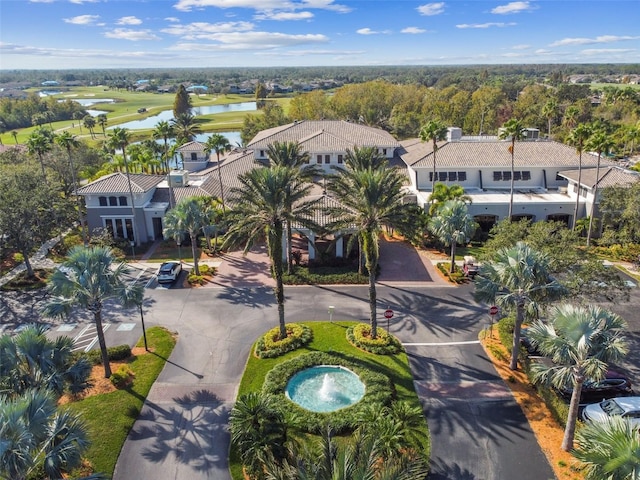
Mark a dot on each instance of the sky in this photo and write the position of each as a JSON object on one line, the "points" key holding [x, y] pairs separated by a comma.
{"points": [[91, 34]]}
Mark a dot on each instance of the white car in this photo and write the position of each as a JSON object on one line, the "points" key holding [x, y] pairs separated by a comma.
{"points": [[169, 272], [626, 407]]}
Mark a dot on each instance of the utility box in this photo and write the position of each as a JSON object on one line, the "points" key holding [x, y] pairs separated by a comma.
{"points": [[178, 178]]}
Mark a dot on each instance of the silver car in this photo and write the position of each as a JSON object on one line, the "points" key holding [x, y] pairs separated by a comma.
{"points": [[169, 272], [625, 407]]}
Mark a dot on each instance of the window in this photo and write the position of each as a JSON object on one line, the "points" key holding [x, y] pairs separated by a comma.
{"points": [[123, 201], [327, 158], [526, 175], [194, 156], [517, 175], [574, 188], [384, 152], [462, 176], [453, 176], [442, 176], [583, 191], [497, 176], [319, 159], [103, 201], [262, 153], [506, 176], [113, 202], [339, 158]]}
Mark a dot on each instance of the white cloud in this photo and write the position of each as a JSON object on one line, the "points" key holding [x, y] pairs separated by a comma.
{"points": [[368, 31], [486, 25], [512, 7], [197, 30], [600, 51], [262, 5], [41, 1], [172, 19], [521, 47], [542, 51], [285, 16], [80, 2], [250, 41], [303, 53], [82, 20], [130, 20], [132, 35], [589, 41], [430, 9], [413, 30]]}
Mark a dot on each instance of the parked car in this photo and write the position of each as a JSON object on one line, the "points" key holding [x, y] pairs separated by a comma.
{"points": [[626, 407], [526, 343], [615, 384], [470, 266], [169, 272]]}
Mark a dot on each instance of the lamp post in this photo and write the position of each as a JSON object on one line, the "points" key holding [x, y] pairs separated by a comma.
{"points": [[133, 249], [331, 308]]}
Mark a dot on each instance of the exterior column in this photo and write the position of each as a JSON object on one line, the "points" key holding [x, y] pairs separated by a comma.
{"points": [[340, 247], [311, 247]]}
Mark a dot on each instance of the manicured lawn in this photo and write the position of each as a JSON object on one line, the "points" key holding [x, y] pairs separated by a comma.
{"points": [[110, 416], [331, 338]]}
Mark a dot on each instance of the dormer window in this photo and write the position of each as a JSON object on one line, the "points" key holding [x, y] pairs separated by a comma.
{"points": [[261, 153], [113, 202], [103, 201], [194, 157], [123, 201]]}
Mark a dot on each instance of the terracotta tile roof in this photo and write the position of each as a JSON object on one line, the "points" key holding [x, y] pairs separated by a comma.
{"points": [[337, 135], [117, 183], [191, 147], [609, 177], [494, 154]]}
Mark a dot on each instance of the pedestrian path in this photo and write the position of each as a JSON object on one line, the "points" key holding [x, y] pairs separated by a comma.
{"points": [[38, 260]]}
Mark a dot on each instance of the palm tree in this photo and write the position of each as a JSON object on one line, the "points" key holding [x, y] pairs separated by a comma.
{"points": [[571, 114], [39, 144], [15, 136], [35, 435], [89, 280], [609, 450], [102, 121], [212, 210], [581, 341], [288, 154], [218, 143], [453, 225], [436, 131], [444, 192], [512, 130], [68, 141], [518, 278], [578, 138], [31, 361], [261, 209], [364, 157], [119, 139], [601, 143], [370, 199], [187, 218], [164, 130], [550, 111], [185, 127], [89, 122]]}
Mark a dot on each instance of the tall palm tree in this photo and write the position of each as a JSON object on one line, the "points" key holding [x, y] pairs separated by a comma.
{"points": [[102, 121], [370, 199], [436, 131], [31, 361], [599, 142], [517, 278], [218, 143], [164, 130], [578, 139], [514, 131], [68, 141], [39, 144], [261, 209], [90, 279], [453, 225], [185, 127], [89, 122], [609, 449], [14, 134], [550, 110], [187, 218], [288, 154], [119, 139], [444, 192], [36, 436], [581, 341]]}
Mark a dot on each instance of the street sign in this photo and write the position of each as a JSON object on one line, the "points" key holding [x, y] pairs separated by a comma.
{"points": [[493, 310], [388, 313]]}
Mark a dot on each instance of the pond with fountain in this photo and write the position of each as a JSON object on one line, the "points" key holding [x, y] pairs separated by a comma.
{"points": [[325, 388]]}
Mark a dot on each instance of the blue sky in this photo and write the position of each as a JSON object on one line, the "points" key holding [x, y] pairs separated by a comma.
{"points": [[64, 34]]}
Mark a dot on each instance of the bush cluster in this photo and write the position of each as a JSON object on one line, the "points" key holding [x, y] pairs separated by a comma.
{"points": [[456, 277], [120, 352], [385, 344], [628, 252], [325, 276], [122, 377], [379, 393], [270, 345]]}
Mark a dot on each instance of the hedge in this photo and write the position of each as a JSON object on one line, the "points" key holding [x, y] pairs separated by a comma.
{"points": [[269, 345], [385, 343]]}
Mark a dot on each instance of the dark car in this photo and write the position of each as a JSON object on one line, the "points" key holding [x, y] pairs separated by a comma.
{"points": [[615, 384], [525, 341], [169, 272]]}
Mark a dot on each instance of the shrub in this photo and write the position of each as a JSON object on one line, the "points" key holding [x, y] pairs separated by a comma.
{"points": [[118, 353], [194, 279], [385, 343], [122, 377], [456, 277], [270, 345], [325, 275], [379, 393], [205, 269]]}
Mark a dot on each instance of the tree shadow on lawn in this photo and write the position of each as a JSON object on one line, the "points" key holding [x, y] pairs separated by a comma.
{"points": [[194, 431]]}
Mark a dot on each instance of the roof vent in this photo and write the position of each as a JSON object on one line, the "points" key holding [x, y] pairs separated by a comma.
{"points": [[454, 134]]}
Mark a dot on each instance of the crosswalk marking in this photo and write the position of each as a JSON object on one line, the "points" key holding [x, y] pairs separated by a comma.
{"points": [[88, 337]]}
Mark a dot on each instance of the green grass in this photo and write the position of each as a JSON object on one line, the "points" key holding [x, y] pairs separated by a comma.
{"points": [[109, 417], [331, 337]]}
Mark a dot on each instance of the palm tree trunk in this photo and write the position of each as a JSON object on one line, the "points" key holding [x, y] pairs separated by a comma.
{"points": [[289, 248], [572, 416], [194, 252], [371, 264], [97, 316], [513, 143], [593, 204], [575, 212], [274, 245], [453, 256], [515, 348], [221, 188], [27, 263]]}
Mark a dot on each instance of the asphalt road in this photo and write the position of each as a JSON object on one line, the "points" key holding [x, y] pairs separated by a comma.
{"points": [[478, 432]]}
